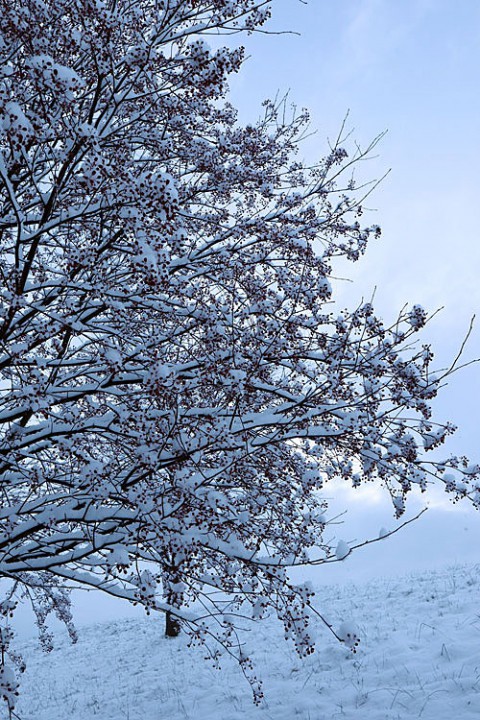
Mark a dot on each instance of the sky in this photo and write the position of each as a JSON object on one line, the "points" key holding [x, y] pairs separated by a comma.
{"points": [[411, 68]]}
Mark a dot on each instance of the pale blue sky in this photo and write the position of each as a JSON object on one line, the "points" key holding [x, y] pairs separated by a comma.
{"points": [[411, 67]]}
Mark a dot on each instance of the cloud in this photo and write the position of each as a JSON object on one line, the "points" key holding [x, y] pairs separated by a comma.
{"points": [[376, 30]]}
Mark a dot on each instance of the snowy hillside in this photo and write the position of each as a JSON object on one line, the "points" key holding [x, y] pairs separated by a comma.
{"points": [[419, 657]]}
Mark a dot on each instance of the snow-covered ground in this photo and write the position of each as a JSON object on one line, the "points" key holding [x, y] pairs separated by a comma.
{"points": [[419, 657]]}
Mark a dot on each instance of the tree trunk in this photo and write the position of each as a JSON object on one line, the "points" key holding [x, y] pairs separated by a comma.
{"points": [[172, 626]]}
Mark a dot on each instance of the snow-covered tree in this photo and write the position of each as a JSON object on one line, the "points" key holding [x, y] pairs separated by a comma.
{"points": [[176, 386]]}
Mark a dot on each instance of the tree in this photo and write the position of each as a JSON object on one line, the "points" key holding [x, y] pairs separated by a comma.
{"points": [[175, 386]]}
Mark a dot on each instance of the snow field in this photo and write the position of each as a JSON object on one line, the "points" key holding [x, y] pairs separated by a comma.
{"points": [[419, 657]]}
